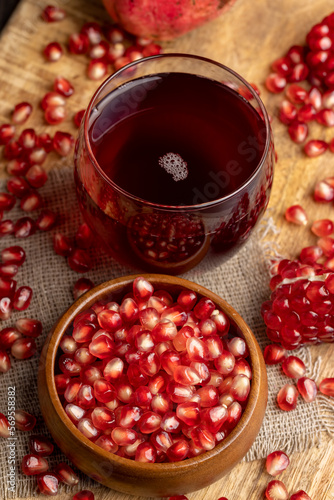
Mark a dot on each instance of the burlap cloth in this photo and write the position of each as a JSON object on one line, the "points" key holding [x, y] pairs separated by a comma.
{"points": [[242, 281]]}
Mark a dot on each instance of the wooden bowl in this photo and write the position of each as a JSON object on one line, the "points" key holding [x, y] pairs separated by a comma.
{"points": [[128, 476]]}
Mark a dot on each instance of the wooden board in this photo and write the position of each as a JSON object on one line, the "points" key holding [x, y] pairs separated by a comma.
{"points": [[247, 39]]}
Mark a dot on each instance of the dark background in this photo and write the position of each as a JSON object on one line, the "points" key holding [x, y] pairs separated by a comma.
{"points": [[6, 8]]}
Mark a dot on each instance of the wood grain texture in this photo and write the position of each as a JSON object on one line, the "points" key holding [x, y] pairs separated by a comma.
{"points": [[247, 38]]}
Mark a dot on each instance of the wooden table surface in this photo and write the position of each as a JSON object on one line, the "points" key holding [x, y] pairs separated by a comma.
{"points": [[250, 36]]}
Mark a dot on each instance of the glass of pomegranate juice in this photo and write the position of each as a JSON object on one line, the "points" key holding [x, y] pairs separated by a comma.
{"points": [[174, 163]]}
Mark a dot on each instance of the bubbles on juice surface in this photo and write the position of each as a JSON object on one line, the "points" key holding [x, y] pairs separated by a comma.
{"points": [[174, 164]]}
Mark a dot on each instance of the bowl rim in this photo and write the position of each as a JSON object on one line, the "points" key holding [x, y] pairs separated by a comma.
{"points": [[172, 208], [110, 287]]}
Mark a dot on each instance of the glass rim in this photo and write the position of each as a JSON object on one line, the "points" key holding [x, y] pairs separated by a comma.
{"points": [[174, 208]]}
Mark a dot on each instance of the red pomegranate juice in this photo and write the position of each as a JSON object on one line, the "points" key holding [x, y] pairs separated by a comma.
{"points": [[177, 140]]}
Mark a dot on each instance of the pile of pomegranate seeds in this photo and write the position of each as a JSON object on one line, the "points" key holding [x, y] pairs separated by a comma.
{"points": [[314, 63], [108, 48], [154, 379]]}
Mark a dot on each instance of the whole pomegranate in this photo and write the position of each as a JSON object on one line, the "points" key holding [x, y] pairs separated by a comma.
{"points": [[164, 20]]}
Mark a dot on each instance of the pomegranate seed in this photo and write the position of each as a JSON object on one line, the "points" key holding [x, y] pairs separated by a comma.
{"points": [[24, 421], [274, 354], [152, 49], [97, 69], [8, 270], [21, 113], [296, 94], [7, 132], [315, 148], [307, 389], [306, 113], [296, 214], [204, 308], [46, 220], [142, 289], [298, 73], [6, 308], [93, 32], [84, 495], [240, 387], [323, 192], [298, 132], [78, 43], [78, 117], [323, 227], [37, 156], [99, 50], [300, 495], [123, 437], [315, 98], [22, 298], [31, 201], [13, 255], [53, 52], [282, 66], [55, 114], [86, 426], [225, 363], [276, 490], [79, 261], [178, 451], [44, 141], [48, 483], [52, 14], [18, 186], [287, 397], [116, 51], [28, 138], [4, 363], [13, 150], [114, 34], [4, 426], [29, 327], [63, 86], [51, 100], [40, 445], [74, 413], [7, 202], [61, 382], [327, 245], [287, 112], [84, 237], [7, 288], [82, 286], [331, 146], [325, 117], [276, 463], [63, 143], [23, 348], [32, 465], [310, 255], [36, 176], [326, 386], [66, 474], [17, 167], [62, 245]]}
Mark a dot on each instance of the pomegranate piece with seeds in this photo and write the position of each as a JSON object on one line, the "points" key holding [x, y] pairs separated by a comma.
{"points": [[276, 490], [21, 113], [53, 52], [276, 463], [297, 215], [24, 421], [326, 386], [32, 465], [84, 495]]}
